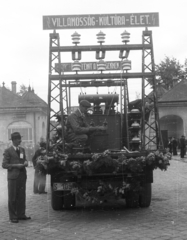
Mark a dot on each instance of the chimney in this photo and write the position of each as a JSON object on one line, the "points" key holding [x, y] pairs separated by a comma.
{"points": [[14, 86]]}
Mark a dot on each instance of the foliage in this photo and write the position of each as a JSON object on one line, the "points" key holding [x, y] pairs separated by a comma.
{"points": [[101, 163], [105, 163], [167, 70], [158, 160], [22, 90], [185, 65], [103, 191]]}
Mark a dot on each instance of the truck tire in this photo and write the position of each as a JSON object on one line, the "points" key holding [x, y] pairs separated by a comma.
{"points": [[69, 200], [56, 199], [132, 200], [145, 195]]}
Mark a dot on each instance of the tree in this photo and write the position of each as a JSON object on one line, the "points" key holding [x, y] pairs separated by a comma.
{"points": [[168, 71], [185, 66], [22, 90]]}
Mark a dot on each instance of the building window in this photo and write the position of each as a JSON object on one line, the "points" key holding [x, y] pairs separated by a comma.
{"points": [[23, 128]]}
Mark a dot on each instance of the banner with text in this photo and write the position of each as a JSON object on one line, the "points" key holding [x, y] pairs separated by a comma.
{"points": [[101, 21], [88, 66]]}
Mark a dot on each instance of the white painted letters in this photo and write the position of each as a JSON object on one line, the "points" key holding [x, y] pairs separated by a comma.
{"points": [[101, 21]]}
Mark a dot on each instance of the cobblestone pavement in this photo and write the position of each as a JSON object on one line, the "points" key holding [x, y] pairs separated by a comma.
{"points": [[166, 218]]}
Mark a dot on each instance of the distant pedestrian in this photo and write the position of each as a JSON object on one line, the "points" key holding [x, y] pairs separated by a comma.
{"points": [[185, 146], [170, 145], [175, 145], [39, 162], [182, 146], [15, 162], [30, 152]]}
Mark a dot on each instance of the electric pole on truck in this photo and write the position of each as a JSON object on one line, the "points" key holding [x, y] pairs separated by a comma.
{"points": [[128, 129]]}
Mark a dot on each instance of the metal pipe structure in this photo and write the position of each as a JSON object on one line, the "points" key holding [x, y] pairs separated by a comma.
{"points": [[60, 84], [92, 48], [102, 76]]}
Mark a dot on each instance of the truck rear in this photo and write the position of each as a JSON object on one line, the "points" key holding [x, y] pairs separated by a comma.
{"points": [[119, 161]]}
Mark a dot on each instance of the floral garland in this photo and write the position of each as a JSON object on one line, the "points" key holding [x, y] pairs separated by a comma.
{"points": [[104, 190], [158, 160], [104, 163]]}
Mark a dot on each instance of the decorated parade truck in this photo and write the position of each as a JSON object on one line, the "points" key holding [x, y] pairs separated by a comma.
{"points": [[117, 162]]}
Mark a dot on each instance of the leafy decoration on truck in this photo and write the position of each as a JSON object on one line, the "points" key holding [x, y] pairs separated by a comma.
{"points": [[105, 163]]}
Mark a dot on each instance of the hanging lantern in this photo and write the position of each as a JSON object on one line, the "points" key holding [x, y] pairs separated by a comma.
{"points": [[126, 64], [76, 66], [101, 65], [75, 38], [100, 37], [125, 36]]}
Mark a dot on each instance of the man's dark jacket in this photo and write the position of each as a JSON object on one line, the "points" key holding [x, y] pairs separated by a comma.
{"points": [[11, 157]]}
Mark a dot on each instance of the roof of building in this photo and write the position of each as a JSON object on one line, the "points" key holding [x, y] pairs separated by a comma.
{"points": [[138, 102], [9, 99], [34, 99], [177, 93], [161, 91]]}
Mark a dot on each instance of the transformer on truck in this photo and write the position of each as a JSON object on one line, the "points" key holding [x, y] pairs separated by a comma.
{"points": [[117, 161]]}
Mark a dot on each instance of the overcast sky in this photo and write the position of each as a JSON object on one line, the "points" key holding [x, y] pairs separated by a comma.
{"points": [[25, 45]]}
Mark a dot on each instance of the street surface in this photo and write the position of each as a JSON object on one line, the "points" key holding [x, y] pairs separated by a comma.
{"points": [[166, 218]]}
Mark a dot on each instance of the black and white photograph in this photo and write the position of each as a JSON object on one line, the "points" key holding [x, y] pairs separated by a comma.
{"points": [[93, 112]]}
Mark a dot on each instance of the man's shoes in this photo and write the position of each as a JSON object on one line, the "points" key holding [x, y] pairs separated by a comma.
{"points": [[14, 220], [24, 218], [43, 192]]}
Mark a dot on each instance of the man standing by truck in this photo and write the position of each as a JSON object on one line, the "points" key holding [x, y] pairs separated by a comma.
{"points": [[40, 172], [78, 130], [15, 162]]}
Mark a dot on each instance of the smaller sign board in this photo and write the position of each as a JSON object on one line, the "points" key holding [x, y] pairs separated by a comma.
{"points": [[101, 21], [66, 186], [88, 66]]}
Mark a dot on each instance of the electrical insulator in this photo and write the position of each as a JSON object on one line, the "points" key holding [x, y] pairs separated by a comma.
{"points": [[123, 54], [105, 123], [75, 38], [126, 64], [76, 55], [100, 54], [125, 36], [100, 37], [76, 66], [101, 65], [135, 124], [135, 111], [136, 139]]}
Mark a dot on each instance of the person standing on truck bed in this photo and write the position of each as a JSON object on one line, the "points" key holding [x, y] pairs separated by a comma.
{"points": [[77, 129]]}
